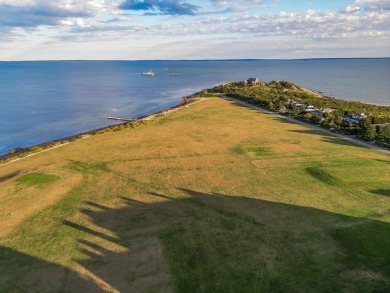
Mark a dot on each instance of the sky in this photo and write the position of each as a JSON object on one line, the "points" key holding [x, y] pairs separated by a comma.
{"points": [[193, 29]]}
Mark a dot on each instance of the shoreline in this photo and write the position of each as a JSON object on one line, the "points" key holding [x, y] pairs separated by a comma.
{"points": [[24, 152], [323, 96]]}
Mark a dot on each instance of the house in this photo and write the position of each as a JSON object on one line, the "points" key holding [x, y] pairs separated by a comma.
{"points": [[358, 116], [319, 113], [354, 118], [252, 81], [309, 108]]}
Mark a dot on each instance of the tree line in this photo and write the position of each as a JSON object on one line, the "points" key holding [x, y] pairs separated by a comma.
{"points": [[282, 96]]}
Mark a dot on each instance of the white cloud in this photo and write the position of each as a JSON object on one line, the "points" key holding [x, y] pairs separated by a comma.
{"points": [[65, 23], [28, 13], [374, 5], [307, 24], [352, 9]]}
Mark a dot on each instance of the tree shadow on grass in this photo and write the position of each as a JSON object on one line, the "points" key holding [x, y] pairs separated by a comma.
{"points": [[20, 272], [286, 119], [9, 176], [341, 141], [311, 131], [384, 192], [277, 117], [383, 161], [200, 242], [329, 138], [260, 110], [325, 137]]}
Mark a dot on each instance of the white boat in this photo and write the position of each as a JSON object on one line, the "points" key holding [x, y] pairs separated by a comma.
{"points": [[149, 73]]}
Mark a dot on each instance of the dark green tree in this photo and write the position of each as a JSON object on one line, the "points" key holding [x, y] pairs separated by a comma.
{"points": [[367, 130]]}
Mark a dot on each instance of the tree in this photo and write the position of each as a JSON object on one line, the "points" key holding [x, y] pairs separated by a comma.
{"points": [[294, 111], [308, 116], [316, 119], [338, 120], [382, 133], [368, 131]]}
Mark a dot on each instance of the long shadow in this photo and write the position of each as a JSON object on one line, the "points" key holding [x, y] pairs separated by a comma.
{"points": [[310, 131], [203, 242], [328, 138], [20, 272], [262, 111], [282, 119], [340, 141], [9, 176], [383, 161], [384, 192]]}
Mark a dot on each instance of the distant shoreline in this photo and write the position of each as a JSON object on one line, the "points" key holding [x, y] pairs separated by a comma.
{"points": [[322, 95], [194, 60]]}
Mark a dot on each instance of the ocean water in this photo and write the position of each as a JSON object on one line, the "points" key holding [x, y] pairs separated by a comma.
{"points": [[41, 101]]}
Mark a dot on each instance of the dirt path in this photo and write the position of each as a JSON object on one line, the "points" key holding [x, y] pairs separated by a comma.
{"points": [[317, 128]]}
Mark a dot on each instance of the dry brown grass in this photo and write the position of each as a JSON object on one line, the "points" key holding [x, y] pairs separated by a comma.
{"points": [[17, 202], [118, 192]]}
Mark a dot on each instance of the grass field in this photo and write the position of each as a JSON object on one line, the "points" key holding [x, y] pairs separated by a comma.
{"points": [[215, 197]]}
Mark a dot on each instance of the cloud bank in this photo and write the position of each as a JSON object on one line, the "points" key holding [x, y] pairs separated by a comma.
{"points": [[36, 13], [362, 26]]}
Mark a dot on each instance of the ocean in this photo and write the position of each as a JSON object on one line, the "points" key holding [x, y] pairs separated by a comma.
{"points": [[46, 100]]}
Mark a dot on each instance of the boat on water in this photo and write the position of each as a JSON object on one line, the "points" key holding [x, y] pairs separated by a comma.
{"points": [[149, 73]]}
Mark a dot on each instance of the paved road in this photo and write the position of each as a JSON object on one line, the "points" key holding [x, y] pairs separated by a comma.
{"points": [[317, 128]]}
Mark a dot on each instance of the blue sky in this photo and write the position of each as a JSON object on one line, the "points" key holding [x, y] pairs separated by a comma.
{"points": [[193, 29]]}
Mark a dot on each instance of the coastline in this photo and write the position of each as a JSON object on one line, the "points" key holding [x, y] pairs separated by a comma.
{"points": [[192, 178], [24, 152], [323, 96], [50, 110]]}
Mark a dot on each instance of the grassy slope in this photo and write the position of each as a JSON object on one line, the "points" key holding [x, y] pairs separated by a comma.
{"points": [[213, 198]]}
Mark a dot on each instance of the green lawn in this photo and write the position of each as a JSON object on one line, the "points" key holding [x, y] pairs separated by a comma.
{"points": [[215, 197]]}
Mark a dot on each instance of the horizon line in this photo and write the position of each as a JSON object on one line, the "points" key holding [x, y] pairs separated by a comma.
{"points": [[191, 60]]}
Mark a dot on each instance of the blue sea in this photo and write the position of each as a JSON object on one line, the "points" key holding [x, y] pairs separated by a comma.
{"points": [[41, 101]]}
